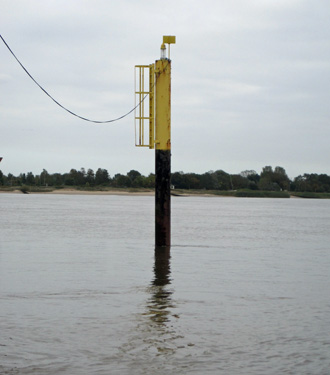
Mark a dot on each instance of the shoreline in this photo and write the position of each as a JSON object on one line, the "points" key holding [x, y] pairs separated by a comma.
{"points": [[174, 193], [68, 191], [123, 192], [118, 192], [97, 192]]}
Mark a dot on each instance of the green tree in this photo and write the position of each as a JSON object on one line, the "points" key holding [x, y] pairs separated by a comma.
{"points": [[81, 177], [312, 183], [267, 171], [254, 178], [266, 183], [150, 181], [101, 177], [208, 181], [44, 177], [90, 177], [22, 179], [178, 180], [72, 178], [276, 179], [239, 182], [248, 173], [192, 180], [325, 182], [222, 180], [68, 178], [37, 180], [132, 174], [76, 177], [10, 179], [280, 178], [122, 181], [139, 181], [30, 180], [56, 179]]}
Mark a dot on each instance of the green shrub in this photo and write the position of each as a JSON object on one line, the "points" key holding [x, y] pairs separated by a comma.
{"points": [[261, 194], [307, 194]]}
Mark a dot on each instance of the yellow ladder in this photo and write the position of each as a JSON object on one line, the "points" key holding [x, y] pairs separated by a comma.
{"points": [[144, 112]]}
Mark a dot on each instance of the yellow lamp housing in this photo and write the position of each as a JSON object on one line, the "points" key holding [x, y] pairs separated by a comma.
{"points": [[169, 39]]}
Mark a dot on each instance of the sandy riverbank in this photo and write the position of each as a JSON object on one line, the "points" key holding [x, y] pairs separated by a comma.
{"points": [[101, 192], [83, 192], [127, 192], [136, 192]]}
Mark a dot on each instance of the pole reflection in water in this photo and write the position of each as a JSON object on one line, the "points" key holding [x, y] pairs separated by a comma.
{"points": [[156, 336], [160, 302], [163, 335]]}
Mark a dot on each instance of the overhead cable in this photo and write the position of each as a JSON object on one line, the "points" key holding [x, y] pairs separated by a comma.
{"points": [[59, 104]]}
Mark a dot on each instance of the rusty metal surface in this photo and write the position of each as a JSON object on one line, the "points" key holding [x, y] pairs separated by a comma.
{"points": [[163, 198]]}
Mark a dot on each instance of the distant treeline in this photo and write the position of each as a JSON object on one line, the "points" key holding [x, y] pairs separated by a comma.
{"points": [[269, 179]]}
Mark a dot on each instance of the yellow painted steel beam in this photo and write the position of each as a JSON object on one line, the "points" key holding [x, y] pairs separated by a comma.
{"points": [[159, 91], [163, 104]]}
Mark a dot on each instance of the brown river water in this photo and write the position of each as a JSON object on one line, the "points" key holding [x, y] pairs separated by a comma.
{"points": [[244, 288]]}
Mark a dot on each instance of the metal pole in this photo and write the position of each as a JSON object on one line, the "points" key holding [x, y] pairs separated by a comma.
{"points": [[159, 136], [163, 153], [163, 198]]}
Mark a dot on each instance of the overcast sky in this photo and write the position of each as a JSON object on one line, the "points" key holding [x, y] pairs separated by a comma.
{"points": [[250, 84]]}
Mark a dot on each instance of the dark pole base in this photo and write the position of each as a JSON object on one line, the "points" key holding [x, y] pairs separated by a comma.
{"points": [[162, 267], [163, 197]]}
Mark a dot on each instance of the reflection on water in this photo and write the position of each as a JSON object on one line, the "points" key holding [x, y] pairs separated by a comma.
{"points": [[160, 303], [156, 336], [160, 307]]}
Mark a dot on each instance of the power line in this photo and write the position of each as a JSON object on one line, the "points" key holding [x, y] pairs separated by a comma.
{"points": [[59, 104]]}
